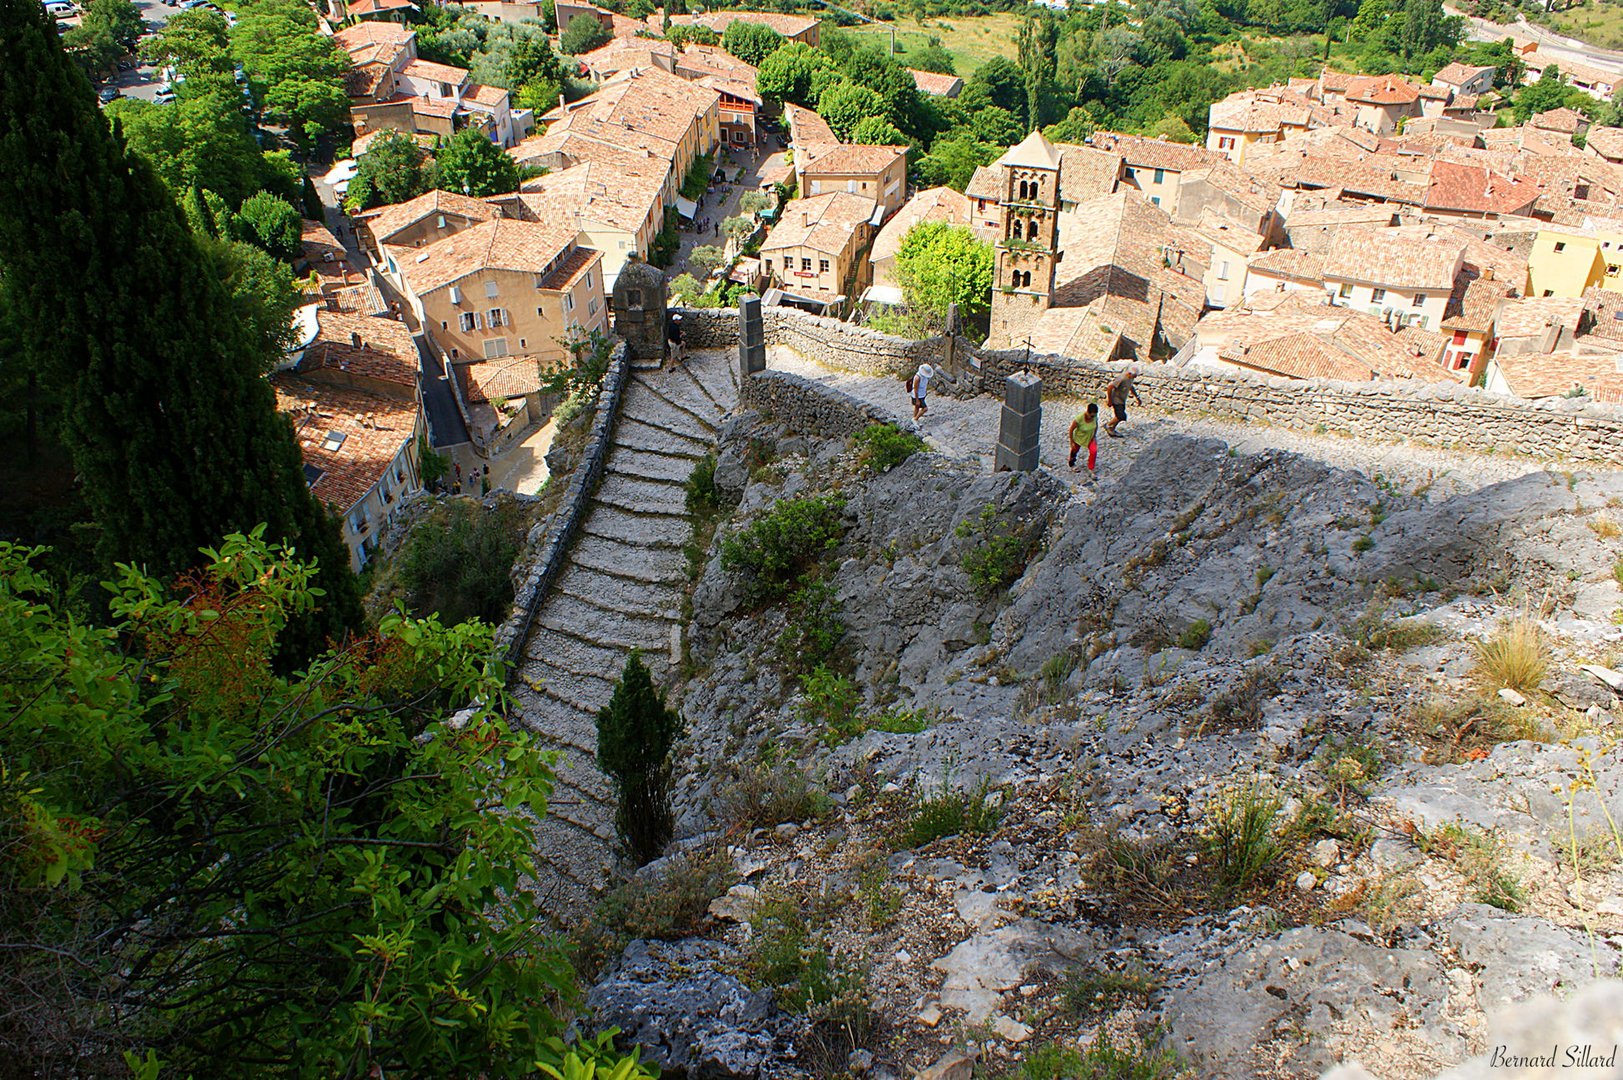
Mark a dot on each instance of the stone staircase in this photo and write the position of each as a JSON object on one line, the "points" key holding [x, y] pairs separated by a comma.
{"points": [[622, 588]]}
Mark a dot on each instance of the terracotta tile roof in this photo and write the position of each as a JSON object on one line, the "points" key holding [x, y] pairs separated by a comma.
{"points": [[806, 126], [621, 54], [1458, 74], [385, 353], [1085, 173], [388, 221], [714, 60], [374, 429], [787, 25], [1075, 332], [1382, 90], [1556, 374], [578, 261], [318, 241], [854, 159], [373, 33], [1606, 141], [634, 106], [593, 191], [442, 108], [1335, 82], [378, 7], [1566, 121], [1434, 93], [1297, 264], [1140, 152], [987, 183], [1532, 316], [362, 299], [1477, 190], [363, 82], [495, 380], [521, 246], [933, 204], [1299, 336], [1572, 71], [937, 85], [1255, 193], [1384, 257], [1475, 303], [1253, 112], [730, 88], [486, 95], [823, 223], [429, 71]]}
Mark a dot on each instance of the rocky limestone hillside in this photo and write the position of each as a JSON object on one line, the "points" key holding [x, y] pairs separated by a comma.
{"points": [[1241, 765]]}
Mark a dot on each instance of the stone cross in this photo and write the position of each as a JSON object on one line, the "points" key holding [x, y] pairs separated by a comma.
{"points": [[1021, 424]]}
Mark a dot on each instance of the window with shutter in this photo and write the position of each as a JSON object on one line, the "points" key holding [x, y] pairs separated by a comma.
{"points": [[468, 321], [490, 289], [495, 347]]}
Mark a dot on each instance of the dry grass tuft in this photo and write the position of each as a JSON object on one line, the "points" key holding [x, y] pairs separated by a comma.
{"points": [[1516, 656]]}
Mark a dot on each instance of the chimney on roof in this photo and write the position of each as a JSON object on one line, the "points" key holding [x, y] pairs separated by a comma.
{"points": [[1487, 273], [355, 339]]}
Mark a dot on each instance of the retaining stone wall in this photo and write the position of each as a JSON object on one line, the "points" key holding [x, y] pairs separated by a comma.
{"points": [[553, 553], [708, 328], [807, 406], [1439, 414]]}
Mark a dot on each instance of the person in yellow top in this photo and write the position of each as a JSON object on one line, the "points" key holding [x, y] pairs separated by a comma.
{"points": [[1085, 432]]}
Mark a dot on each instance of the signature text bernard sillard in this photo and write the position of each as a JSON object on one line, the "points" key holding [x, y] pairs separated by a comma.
{"points": [[1571, 1057]]}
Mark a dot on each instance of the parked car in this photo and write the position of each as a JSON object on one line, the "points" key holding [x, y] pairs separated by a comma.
{"points": [[108, 94], [165, 94], [60, 8]]}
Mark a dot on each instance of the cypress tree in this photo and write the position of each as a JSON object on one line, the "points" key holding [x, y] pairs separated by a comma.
{"points": [[172, 429], [635, 733]]}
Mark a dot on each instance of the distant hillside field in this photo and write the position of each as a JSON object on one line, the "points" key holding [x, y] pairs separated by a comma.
{"points": [[1599, 22], [972, 39]]}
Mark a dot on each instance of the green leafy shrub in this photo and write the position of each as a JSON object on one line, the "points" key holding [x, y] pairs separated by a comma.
{"points": [[815, 628], [951, 813], [674, 904], [999, 554], [458, 564], [885, 446], [635, 733], [1239, 838], [788, 953], [1104, 1059], [1090, 991], [702, 497], [773, 551], [829, 700], [1195, 635]]}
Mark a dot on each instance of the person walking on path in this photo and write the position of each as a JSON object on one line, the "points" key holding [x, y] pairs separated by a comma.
{"points": [[1116, 397], [1085, 432], [917, 386]]}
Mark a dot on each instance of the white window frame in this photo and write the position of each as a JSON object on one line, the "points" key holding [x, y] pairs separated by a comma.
{"points": [[496, 317], [495, 348]]}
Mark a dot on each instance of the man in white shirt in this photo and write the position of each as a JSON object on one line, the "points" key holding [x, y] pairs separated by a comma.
{"points": [[917, 387]]}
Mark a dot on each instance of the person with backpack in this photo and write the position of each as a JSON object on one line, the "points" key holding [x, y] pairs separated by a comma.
{"points": [[1085, 432], [1116, 397]]}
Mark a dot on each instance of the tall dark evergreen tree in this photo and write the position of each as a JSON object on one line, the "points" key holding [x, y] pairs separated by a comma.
{"points": [[635, 734], [172, 428]]}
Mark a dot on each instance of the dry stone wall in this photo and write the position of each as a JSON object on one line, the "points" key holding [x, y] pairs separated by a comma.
{"points": [[553, 554], [1439, 414], [807, 406]]}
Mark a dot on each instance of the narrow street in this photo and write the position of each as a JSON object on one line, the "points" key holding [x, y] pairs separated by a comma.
{"points": [[721, 202]]}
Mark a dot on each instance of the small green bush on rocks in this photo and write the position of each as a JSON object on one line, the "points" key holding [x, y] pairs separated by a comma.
{"points": [[775, 549], [885, 446]]}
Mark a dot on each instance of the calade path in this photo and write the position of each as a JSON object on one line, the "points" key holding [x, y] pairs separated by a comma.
{"points": [[624, 582], [622, 589]]}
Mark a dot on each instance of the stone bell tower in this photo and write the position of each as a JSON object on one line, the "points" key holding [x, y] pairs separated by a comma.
{"points": [[1028, 239]]}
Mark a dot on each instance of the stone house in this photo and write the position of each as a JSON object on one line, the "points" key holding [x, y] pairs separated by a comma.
{"points": [[810, 256], [1403, 278], [390, 86], [1463, 79], [934, 204], [504, 288], [352, 396], [417, 223], [878, 173]]}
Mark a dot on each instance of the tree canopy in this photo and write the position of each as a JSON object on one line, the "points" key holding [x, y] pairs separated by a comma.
{"points": [[316, 874], [472, 164], [940, 264], [751, 42], [391, 171], [172, 428], [296, 74], [583, 34]]}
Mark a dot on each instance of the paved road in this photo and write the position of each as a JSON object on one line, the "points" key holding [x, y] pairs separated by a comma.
{"points": [[142, 83], [1557, 47], [720, 205], [445, 425]]}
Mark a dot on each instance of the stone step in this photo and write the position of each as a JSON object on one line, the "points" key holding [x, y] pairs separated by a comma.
{"points": [[719, 378], [648, 465], [702, 413], [692, 376], [655, 566], [548, 652], [584, 694], [570, 614], [644, 402], [642, 496], [636, 530], [577, 774], [638, 434], [680, 388], [621, 593]]}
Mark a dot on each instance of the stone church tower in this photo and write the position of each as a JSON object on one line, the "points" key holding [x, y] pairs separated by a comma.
{"points": [[1028, 240]]}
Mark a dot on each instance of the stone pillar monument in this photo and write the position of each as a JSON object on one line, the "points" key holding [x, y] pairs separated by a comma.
{"points": [[751, 337], [639, 310], [1021, 424]]}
